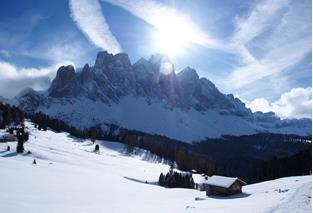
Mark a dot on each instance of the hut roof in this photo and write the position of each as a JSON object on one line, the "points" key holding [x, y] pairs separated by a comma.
{"points": [[222, 181], [182, 173]]}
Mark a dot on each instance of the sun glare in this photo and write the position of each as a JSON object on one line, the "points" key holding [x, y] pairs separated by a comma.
{"points": [[172, 35]]}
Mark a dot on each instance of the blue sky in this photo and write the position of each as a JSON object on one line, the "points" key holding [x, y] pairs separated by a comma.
{"points": [[260, 51]]}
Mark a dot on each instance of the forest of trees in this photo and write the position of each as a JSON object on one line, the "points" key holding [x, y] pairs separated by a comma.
{"points": [[10, 115], [297, 164], [251, 157], [12, 118], [175, 179]]}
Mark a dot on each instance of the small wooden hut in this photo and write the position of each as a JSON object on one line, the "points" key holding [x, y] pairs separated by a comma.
{"points": [[222, 186], [8, 138]]}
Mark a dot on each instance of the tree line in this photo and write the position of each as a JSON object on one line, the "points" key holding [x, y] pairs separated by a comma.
{"points": [[175, 179], [10, 115]]}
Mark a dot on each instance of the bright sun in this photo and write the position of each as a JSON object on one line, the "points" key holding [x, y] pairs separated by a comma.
{"points": [[170, 42], [172, 36]]}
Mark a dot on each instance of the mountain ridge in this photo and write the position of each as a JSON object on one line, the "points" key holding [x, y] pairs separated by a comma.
{"points": [[149, 96]]}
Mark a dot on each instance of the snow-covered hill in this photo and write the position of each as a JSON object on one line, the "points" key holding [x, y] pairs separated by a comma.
{"points": [[70, 177], [150, 97]]}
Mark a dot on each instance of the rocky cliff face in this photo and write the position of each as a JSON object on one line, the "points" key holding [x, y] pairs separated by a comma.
{"points": [[113, 76], [113, 79]]}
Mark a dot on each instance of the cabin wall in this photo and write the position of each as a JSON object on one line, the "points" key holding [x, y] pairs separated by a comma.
{"points": [[216, 190], [236, 187], [8, 138]]}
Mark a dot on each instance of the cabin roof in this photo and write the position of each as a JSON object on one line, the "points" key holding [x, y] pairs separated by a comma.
{"points": [[182, 173], [222, 181]]}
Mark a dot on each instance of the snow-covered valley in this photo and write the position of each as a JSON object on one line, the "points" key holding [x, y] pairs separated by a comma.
{"points": [[70, 177]]}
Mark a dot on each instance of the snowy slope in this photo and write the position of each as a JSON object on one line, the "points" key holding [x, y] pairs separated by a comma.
{"points": [[69, 177], [155, 118]]}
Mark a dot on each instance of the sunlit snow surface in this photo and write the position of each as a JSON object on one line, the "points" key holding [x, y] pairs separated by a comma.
{"points": [[70, 177]]}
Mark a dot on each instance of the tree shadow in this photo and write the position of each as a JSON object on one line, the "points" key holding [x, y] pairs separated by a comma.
{"points": [[12, 154], [141, 181], [3, 151], [76, 139], [236, 196]]}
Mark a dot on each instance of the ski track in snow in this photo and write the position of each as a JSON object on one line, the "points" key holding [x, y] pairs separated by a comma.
{"points": [[70, 177], [299, 202]]}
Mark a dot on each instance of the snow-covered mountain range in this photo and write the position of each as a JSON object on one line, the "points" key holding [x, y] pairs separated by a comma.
{"points": [[149, 96]]}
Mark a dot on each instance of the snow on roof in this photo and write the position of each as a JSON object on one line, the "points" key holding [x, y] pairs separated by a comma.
{"points": [[221, 181], [183, 173]]}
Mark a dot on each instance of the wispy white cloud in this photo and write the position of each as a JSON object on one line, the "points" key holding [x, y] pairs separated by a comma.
{"points": [[259, 19], [89, 18], [296, 103], [275, 61], [286, 43], [18, 30], [14, 79]]}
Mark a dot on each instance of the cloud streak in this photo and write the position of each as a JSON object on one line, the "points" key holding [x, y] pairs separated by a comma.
{"points": [[158, 15], [88, 16], [259, 20], [274, 62], [285, 41]]}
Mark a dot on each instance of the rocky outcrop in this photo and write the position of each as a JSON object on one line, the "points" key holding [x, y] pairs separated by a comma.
{"points": [[65, 83]]}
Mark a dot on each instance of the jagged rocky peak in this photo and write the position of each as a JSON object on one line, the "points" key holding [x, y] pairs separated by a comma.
{"points": [[209, 85], [122, 59], [103, 59], [141, 61], [86, 68], [188, 74], [114, 85], [106, 61], [144, 71], [154, 70], [65, 83], [65, 74], [143, 65], [161, 64], [157, 58], [87, 74], [25, 92]]}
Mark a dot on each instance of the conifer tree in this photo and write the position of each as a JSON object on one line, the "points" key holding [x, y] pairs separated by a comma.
{"points": [[20, 142]]}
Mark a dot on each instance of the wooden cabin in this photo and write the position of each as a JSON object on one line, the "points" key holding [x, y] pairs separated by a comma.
{"points": [[222, 186], [8, 138]]}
